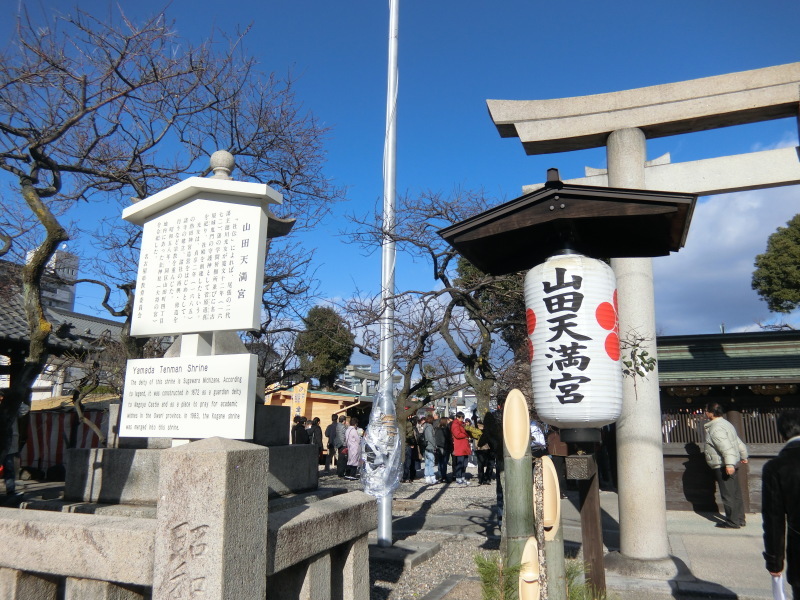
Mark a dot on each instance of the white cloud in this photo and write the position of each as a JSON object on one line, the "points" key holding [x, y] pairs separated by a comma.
{"points": [[788, 140], [708, 282]]}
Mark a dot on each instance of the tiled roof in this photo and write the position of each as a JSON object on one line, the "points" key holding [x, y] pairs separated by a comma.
{"points": [[85, 326], [14, 327], [764, 356]]}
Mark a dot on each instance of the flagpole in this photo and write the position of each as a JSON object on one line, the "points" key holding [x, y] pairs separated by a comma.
{"points": [[388, 256]]}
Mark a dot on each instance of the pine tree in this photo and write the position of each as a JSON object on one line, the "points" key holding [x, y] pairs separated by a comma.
{"points": [[325, 346], [777, 274]]}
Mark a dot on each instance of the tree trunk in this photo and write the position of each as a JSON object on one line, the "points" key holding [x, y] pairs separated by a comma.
{"points": [[39, 327]]}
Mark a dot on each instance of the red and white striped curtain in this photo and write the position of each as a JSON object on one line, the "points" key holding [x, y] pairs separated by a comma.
{"points": [[49, 433]]}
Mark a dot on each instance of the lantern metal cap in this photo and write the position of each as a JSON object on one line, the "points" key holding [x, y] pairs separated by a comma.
{"points": [[601, 222]]}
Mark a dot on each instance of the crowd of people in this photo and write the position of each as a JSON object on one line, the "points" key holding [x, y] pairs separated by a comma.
{"points": [[343, 442], [433, 443], [440, 446], [448, 443]]}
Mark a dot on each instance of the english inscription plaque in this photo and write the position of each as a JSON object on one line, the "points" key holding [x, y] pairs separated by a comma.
{"points": [[190, 397]]}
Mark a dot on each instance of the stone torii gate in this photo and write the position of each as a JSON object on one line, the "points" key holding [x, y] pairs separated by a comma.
{"points": [[622, 121]]}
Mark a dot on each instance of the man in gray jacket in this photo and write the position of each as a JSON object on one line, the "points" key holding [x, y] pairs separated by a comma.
{"points": [[429, 450], [724, 451], [339, 441]]}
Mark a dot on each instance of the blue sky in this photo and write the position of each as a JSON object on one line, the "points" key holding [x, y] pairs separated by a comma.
{"points": [[455, 55]]}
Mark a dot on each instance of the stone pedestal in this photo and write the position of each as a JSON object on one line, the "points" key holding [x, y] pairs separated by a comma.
{"points": [[112, 475], [216, 553], [271, 426]]}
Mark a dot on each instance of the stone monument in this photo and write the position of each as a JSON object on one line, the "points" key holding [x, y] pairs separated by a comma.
{"points": [[201, 272]]}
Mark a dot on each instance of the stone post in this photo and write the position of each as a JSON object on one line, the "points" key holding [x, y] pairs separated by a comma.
{"points": [[82, 589], [17, 585], [349, 580], [211, 536], [640, 462]]}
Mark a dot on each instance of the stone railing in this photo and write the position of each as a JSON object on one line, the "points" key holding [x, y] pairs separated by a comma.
{"points": [[212, 538]]}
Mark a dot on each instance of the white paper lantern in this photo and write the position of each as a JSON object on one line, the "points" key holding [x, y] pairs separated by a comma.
{"points": [[573, 341]]}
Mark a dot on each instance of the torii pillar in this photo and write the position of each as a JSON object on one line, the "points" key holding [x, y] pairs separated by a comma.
{"points": [[622, 121]]}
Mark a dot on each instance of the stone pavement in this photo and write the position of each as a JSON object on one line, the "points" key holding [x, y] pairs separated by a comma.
{"points": [[715, 562], [724, 563]]}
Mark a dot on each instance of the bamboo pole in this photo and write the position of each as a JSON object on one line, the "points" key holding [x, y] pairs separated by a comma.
{"points": [[518, 494]]}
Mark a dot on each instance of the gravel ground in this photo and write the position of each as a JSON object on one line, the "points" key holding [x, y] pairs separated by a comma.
{"points": [[456, 557]]}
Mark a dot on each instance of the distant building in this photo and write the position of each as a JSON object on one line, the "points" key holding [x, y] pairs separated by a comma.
{"points": [[73, 333], [58, 284]]}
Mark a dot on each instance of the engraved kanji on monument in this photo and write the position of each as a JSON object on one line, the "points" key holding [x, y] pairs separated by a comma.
{"points": [[201, 270]]}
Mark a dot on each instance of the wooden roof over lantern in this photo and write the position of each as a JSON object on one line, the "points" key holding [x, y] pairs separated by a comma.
{"points": [[600, 222]]}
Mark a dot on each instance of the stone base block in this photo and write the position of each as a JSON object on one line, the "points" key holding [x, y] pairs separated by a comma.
{"points": [[142, 443], [129, 476], [15, 585], [143, 511], [112, 475], [292, 469], [140, 511], [303, 498], [670, 568], [409, 553], [271, 425]]}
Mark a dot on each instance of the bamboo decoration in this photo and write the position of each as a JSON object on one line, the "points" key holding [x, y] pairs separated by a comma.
{"points": [[518, 513], [554, 586], [529, 588], [552, 499]]}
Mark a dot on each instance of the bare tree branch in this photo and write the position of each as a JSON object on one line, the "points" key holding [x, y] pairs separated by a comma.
{"points": [[93, 109], [482, 319]]}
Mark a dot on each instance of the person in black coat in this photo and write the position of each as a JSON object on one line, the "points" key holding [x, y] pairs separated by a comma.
{"points": [[330, 433], [444, 446], [780, 504], [315, 436], [493, 436], [299, 433]]}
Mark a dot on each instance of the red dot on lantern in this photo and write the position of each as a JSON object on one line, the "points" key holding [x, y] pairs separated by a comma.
{"points": [[612, 346], [530, 317], [530, 351], [606, 316]]}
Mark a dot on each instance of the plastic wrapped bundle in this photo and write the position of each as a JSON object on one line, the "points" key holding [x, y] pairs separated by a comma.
{"points": [[380, 449]]}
